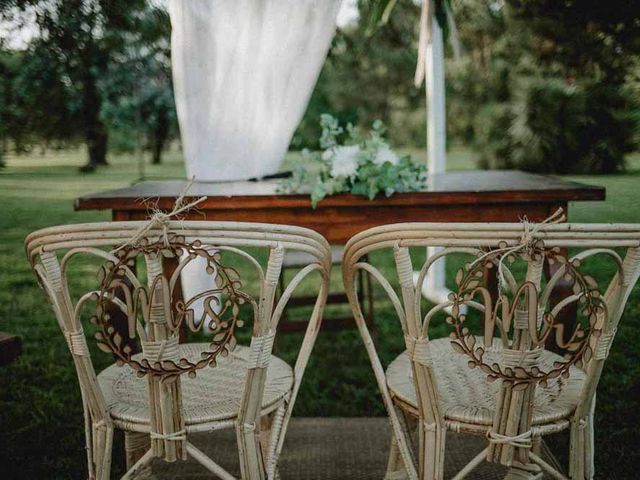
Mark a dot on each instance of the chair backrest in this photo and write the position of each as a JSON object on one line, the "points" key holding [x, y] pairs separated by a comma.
{"points": [[518, 306], [153, 314]]}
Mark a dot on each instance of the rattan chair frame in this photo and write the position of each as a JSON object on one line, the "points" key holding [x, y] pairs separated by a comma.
{"points": [[260, 432], [427, 415]]}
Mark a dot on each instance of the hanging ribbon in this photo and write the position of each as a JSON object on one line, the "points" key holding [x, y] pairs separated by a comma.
{"points": [[426, 36]]}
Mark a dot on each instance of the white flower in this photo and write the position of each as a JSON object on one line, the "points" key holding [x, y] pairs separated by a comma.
{"points": [[385, 154], [344, 160]]}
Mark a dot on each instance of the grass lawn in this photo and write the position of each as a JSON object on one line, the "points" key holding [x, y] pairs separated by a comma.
{"points": [[40, 410]]}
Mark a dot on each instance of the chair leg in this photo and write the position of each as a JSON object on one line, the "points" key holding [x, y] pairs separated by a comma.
{"points": [[102, 449], [581, 465], [266, 424], [396, 468], [88, 433], [589, 466], [432, 444], [395, 465], [274, 427], [250, 452], [136, 445]]}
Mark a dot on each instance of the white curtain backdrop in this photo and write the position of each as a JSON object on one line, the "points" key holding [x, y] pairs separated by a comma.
{"points": [[243, 72]]}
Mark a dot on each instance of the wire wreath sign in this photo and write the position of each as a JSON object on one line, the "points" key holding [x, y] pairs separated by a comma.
{"points": [[524, 307], [140, 304]]}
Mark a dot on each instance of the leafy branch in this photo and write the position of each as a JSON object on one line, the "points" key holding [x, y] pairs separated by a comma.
{"points": [[353, 163]]}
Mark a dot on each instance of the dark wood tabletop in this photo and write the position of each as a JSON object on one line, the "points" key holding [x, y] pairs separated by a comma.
{"points": [[445, 188], [454, 196]]}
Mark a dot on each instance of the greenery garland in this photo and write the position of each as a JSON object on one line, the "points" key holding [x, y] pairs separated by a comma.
{"points": [[350, 162]]}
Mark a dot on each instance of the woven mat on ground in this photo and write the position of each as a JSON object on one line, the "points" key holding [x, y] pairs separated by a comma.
{"points": [[325, 448]]}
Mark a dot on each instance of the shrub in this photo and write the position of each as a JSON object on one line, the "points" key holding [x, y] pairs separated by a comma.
{"points": [[552, 126]]}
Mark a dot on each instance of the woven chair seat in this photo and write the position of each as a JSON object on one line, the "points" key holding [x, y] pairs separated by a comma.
{"points": [[213, 395], [466, 396]]}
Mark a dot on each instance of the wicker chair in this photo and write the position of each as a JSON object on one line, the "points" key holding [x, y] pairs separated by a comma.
{"points": [[147, 394], [494, 375]]}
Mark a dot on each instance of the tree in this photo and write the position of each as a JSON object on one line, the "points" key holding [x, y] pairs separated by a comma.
{"points": [[75, 44], [368, 75], [579, 38], [6, 105], [544, 85], [138, 91]]}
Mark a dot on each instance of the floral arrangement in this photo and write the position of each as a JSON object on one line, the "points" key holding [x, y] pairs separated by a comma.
{"points": [[350, 162]]}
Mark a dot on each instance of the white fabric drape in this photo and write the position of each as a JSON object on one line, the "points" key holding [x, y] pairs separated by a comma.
{"points": [[243, 72]]}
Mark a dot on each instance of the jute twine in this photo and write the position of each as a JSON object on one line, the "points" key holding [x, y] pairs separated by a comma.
{"points": [[526, 243], [160, 219]]}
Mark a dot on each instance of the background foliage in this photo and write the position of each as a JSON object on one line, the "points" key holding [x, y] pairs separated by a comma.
{"points": [[86, 67], [541, 85], [547, 86]]}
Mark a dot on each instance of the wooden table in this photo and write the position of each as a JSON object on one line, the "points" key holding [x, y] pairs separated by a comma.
{"points": [[488, 196], [473, 196]]}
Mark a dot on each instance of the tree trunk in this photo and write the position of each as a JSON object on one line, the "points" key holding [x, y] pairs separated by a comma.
{"points": [[97, 147], [160, 136], [95, 132]]}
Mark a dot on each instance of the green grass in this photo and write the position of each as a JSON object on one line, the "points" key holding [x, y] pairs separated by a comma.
{"points": [[40, 412]]}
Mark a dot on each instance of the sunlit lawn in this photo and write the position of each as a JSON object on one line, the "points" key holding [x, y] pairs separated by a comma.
{"points": [[40, 411]]}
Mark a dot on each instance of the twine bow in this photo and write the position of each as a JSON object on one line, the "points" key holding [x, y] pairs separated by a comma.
{"points": [[426, 37], [522, 440], [172, 437], [527, 241], [161, 219]]}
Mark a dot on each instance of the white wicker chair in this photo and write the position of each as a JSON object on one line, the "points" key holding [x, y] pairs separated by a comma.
{"points": [[148, 394], [442, 384]]}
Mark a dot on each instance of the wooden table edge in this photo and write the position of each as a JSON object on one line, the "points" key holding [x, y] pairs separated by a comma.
{"points": [[243, 202]]}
